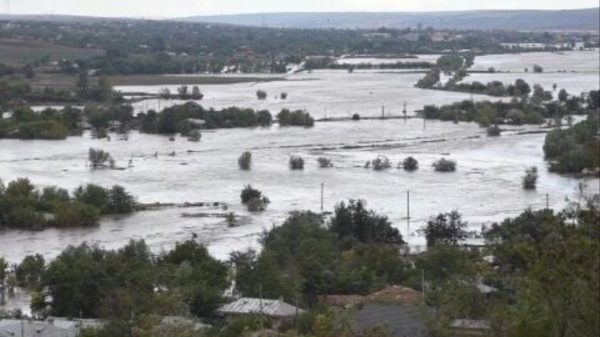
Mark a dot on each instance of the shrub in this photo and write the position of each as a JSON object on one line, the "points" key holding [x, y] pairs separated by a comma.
{"points": [[249, 193], [530, 178], [410, 164], [381, 163], [264, 118], [296, 163], [324, 162], [254, 199], [494, 131], [120, 201], [261, 94], [245, 161], [284, 95], [445, 165], [99, 158], [356, 117], [257, 205], [295, 118], [538, 69], [196, 94]]}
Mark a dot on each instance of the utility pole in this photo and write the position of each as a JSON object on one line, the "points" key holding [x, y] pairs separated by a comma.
{"points": [[547, 201], [322, 190], [404, 111], [407, 210]]}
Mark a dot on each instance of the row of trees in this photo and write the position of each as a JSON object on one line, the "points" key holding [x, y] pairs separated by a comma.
{"points": [[22, 205]]}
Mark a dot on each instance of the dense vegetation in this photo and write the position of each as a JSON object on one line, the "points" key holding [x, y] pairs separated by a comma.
{"points": [[541, 280], [24, 206], [187, 117], [160, 47], [574, 149]]}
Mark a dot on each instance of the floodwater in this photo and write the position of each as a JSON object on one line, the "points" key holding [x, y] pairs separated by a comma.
{"points": [[485, 188]]}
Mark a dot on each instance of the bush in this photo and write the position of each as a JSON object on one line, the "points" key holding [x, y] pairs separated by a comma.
{"points": [[381, 163], [99, 158], [254, 199], [261, 94], [410, 164], [245, 161], [538, 69], [296, 163], [249, 193], [295, 118], [530, 178], [494, 131], [120, 201], [445, 165], [284, 95], [324, 162], [356, 117], [264, 118]]}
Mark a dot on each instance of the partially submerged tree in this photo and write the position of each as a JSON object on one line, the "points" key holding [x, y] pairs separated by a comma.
{"points": [[445, 165], [99, 158], [324, 162], [261, 94], [296, 163], [380, 163], [530, 178], [254, 200], [410, 164], [245, 161]]}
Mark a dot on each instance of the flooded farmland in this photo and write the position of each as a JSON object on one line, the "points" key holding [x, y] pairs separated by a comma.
{"points": [[485, 188]]}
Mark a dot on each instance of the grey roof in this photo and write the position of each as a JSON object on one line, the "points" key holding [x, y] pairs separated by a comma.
{"points": [[470, 324], [273, 308], [400, 320], [26, 328]]}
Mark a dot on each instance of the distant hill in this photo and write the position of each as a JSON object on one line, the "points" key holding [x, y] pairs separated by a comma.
{"points": [[553, 20]]}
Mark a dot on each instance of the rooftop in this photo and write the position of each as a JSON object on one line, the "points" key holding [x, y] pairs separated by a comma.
{"points": [[273, 308]]}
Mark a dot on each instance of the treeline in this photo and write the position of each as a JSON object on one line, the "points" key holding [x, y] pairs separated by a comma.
{"points": [[532, 110], [189, 116], [24, 206], [574, 149], [51, 124], [383, 66]]}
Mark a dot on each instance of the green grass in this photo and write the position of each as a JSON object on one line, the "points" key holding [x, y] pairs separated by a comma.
{"points": [[20, 52]]}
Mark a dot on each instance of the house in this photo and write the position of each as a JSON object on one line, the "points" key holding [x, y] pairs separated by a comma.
{"points": [[276, 309], [400, 320]]}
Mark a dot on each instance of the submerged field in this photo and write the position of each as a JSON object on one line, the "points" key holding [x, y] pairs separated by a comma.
{"points": [[486, 187]]}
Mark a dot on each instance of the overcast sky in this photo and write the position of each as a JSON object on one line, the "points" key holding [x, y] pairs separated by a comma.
{"points": [[178, 8]]}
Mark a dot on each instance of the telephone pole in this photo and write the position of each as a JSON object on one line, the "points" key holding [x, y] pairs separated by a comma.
{"points": [[322, 190]]}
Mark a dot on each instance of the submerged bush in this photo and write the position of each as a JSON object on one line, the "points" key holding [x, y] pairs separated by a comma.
{"points": [[380, 163], [530, 178], [245, 161], [99, 158], [295, 118], [410, 164], [494, 131], [296, 163], [261, 94], [254, 199], [324, 162], [445, 165]]}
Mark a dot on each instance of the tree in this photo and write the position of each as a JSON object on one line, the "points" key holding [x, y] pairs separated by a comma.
{"points": [[105, 89], [445, 228], [29, 271], [254, 200], [530, 178], [324, 162], [352, 221], [445, 165], [245, 161], [99, 158], [296, 163], [563, 95], [83, 85], [196, 94], [119, 201], [183, 92], [261, 94], [380, 163], [410, 164], [538, 69], [3, 270]]}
